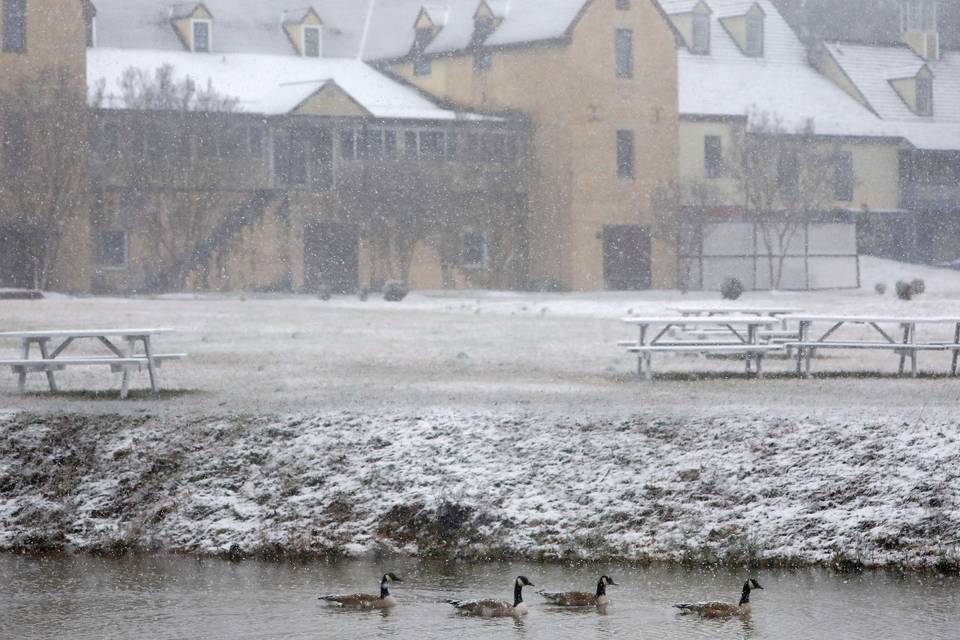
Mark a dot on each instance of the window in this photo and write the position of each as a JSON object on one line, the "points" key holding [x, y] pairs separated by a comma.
{"points": [[788, 174], [712, 156], [348, 145], [623, 5], [432, 145], [843, 176], [390, 143], [311, 42], [256, 141], [625, 154], [624, 51], [452, 140], [924, 96], [290, 158], [701, 34], [754, 36], [15, 26], [111, 249], [482, 60], [91, 29], [201, 36], [474, 254], [410, 144], [422, 66], [321, 150], [15, 145]]}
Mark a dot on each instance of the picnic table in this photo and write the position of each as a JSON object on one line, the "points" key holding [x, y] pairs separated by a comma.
{"points": [[740, 336], [899, 337], [735, 310], [123, 357]]}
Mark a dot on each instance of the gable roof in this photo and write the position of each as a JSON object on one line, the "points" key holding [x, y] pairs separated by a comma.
{"points": [[269, 84], [383, 29]]}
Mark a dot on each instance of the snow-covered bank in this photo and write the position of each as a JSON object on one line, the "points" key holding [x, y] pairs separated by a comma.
{"points": [[722, 488]]}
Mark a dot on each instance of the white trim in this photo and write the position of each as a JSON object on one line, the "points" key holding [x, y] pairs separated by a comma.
{"points": [[303, 40], [193, 34]]}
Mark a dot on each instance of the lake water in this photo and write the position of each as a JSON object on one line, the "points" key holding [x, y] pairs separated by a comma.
{"points": [[79, 598]]}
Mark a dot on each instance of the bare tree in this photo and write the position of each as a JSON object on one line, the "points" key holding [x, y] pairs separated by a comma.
{"points": [[43, 159], [784, 178], [180, 159]]}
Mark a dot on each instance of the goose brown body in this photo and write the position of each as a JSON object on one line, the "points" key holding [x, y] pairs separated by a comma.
{"points": [[722, 609], [493, 608], [367, 600], [581, 598]]}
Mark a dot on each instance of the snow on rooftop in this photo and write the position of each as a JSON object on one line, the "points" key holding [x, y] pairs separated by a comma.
{"points": [[269, 84], [871, 68], [726, 82]]}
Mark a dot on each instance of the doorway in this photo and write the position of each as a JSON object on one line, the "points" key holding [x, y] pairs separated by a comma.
{"points": [[331, 256], [626, 257]]}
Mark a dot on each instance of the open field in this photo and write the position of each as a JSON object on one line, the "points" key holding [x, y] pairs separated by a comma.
{"points": [[507, 352]]}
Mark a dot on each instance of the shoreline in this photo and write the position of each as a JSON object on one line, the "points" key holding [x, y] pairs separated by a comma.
{"points": [[726, 490]]}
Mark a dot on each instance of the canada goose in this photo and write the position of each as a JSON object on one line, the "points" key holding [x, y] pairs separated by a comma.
{"points": [[367, 600], [581, 598], [722, 609], [496, 608]]}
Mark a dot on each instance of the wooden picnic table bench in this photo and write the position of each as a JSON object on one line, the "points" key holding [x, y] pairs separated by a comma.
{"points": [[741, 336], [905, 345], [121, 358]]}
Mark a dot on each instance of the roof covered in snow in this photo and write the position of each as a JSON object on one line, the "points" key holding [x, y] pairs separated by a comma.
{"points": [[268, 84], [372, 29], [782, 83]]}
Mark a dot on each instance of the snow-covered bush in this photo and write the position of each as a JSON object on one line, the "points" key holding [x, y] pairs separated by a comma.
{"points": [[918, 285], [731, 289], [904, 290], [325, 292], [880, 288], [394, 291]]}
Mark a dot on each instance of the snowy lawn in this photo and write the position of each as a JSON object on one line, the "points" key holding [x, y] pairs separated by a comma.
{"points": [[551, 353]]}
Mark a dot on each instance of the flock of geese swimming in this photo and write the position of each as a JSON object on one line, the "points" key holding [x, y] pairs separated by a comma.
{"points": [[493, 608]]}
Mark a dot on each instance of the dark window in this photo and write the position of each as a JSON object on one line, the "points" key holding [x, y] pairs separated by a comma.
{"points": [[256, 141], [390, 143], [788, 174], [234, 143], [374, 144], [289, 158], [843, 176], [452, 151], [474, 250], [16, 147], [701, 33], [15, 26], [924, 96], [311, 42], [410, 144], [624, 49], [712, 156], [322, 152], [625, 153], [471, 145], [422, 66], [201, 36], [432, 145], [623, 5], [91, 30], [111, 249], [754, 36], [482, 60], [348, 145]]}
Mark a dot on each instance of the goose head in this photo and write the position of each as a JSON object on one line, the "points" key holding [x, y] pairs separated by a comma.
{"points": [[390, 577], [607, 581], [522, 582], [752, 584]]}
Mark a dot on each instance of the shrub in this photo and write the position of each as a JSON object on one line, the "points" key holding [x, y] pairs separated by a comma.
{"points": [[325, 292], [544, 285], [904, 290], [880, 288], [731, 289], [394, 291], [918, 285]]}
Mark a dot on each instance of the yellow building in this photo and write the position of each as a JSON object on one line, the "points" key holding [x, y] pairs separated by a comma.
{"points": [[42, 89]]}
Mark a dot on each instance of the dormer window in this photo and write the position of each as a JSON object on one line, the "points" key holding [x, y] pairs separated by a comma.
{"points": [[924, 96], [484, 24], [311, 42], [754, 41], [700, 37], [90, 23], [201, 35]]}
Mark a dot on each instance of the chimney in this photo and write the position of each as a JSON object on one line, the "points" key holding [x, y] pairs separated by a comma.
{"points": [[918, 27]]}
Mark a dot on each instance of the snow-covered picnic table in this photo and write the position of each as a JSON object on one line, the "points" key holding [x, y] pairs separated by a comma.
{"points": [[123, 357], [735, 310], [900, 337], [740, 335]]}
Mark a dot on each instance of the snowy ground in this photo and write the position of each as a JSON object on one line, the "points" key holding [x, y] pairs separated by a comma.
{"points": [[553, 353], [483, 423]]}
